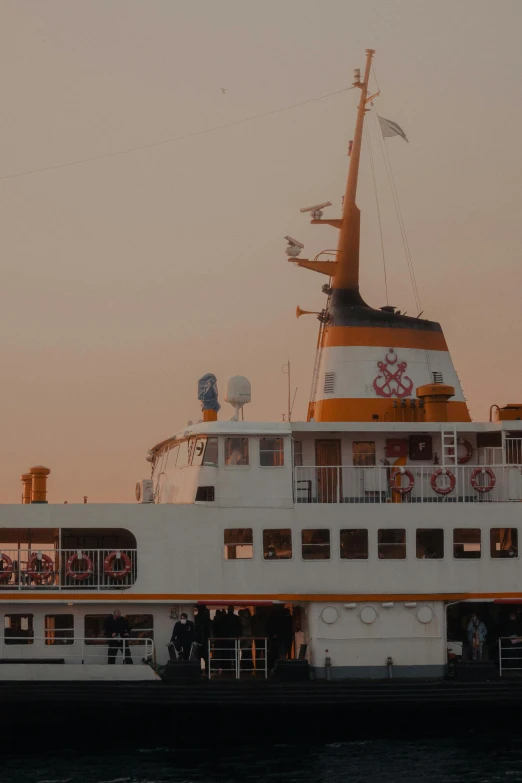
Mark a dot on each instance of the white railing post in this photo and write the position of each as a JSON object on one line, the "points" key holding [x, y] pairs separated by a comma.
{"points": [[500, 657], [266, 658]]}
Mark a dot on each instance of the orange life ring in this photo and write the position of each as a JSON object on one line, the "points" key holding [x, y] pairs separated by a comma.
{"points": [[6, 573], [434, 481], [109, 560], [402, 472], [483, 488], [79, 576], [469, 451], [45, 574]]}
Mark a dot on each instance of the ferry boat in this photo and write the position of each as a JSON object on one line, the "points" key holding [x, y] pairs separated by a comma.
{"points": [[379, 525]]}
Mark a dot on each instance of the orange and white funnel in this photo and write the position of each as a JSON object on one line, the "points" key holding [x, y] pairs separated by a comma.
{"points": [[372, 361]]}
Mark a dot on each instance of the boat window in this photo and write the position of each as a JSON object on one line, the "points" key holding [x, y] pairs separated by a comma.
{"points": [[59, 629], [466, 542], [205, 494], [363, 453], [271, 452], [239, 543], [277, 544], [198, 451], [430, 543], [503, 542], [18, 629], [354, 544], [211, 452], [183, 455], [236, 451], [391, 544], [142, 627], [298, 453], [315, 544]]}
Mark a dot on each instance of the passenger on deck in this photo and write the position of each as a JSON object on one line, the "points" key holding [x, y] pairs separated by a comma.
{"points": [[287, 634], [259, 634], [202, 632], [246, 639], [477, 633], [118, 630], [183, 636]]}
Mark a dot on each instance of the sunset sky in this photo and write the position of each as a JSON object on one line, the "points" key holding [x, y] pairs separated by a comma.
{"points": [[127, 278]]}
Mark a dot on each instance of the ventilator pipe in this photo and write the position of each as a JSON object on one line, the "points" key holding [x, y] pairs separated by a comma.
{"points": [[27, 481], [39, 484], [435, 397]]}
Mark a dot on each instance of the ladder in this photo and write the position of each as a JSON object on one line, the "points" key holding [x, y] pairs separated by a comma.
{"points": [[449, 445]]}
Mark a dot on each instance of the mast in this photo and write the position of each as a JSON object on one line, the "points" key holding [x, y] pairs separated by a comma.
{"points": [[347, 269]]}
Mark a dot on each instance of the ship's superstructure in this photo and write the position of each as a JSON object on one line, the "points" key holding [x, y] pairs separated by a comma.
{"points": [[378, 526]]}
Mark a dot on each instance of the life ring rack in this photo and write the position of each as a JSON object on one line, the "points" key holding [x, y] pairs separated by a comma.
{"points": [[109, 561], [34, 573], [469, 451], [435, 484], [6, 573], [405, 490], [483, 488], [79, 576]]}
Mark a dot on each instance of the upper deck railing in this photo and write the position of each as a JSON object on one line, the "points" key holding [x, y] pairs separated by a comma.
{"points": [[408, 484], [67, 569]]}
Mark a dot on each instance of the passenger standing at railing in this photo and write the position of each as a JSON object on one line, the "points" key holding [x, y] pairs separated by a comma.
{"points": [[183, 636], [202, 631], [477, 633], [246, 639], [117, 630]]}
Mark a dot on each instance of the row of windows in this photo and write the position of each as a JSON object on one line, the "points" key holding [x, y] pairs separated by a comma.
{"points": [[204, 451], [59, 628], [353, 542]]}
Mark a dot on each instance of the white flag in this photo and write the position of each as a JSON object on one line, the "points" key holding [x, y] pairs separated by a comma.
{"points": [[390, 128]]}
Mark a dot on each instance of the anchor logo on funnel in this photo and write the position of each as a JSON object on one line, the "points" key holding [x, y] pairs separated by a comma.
{"points": [[390, 381]]}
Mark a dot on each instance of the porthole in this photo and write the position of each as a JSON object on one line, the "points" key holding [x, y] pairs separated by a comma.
{"points": [[368, 615], [425, 614], [329, 615]]}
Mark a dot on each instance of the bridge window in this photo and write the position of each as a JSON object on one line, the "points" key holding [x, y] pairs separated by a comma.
{"points": [[239, 543], [430, 543], [466, 543], [503, 542], [271, 452], [211, 452], [315, 544], [18, 629], [277, 544], [392, 544], [205, 494], [354, 544], [363, 453], [59, 629], [236, 451]]}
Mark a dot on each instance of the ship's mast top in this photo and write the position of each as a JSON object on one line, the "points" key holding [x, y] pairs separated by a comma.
{"points": [[347, 268]]}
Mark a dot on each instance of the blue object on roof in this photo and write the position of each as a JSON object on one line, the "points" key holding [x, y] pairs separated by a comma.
{"points": [[208, 392]]}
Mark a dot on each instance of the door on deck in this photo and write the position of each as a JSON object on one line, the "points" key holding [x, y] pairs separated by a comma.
{"points": [[329, 474]]}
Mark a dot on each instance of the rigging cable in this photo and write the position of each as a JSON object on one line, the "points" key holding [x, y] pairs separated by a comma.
{"points": [[174, 138], [372, 167]]}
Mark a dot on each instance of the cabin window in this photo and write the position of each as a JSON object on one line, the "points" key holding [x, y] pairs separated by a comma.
{"points": [[354, 544], [277, 544], [18, 629], [503, 542], [236, 451], [142, 627], [198, 451], [298, 453], [239, 543], [466, 543], [430, 543], [363, 453], [205, 494], [315, 544], [392, 544], [211, 452], [59, 629], [183, 455], [271, 452]]}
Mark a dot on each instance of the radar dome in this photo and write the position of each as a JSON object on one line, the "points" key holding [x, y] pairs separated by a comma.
{"points": [[238, 393]]}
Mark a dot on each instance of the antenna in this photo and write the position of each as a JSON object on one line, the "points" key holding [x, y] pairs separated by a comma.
{"points": [[285, 369]]}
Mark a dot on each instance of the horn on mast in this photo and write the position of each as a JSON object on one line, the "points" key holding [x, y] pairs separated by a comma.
{"points": [[299, 312]]}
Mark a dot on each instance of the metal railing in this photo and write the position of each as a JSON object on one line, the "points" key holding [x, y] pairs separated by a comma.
{"points": [[238, 656], [408, 484], [67, 569], [73, 650], [509, 652]]}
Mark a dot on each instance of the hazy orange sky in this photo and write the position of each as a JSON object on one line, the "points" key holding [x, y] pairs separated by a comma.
{"points": [[127, 278]]}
